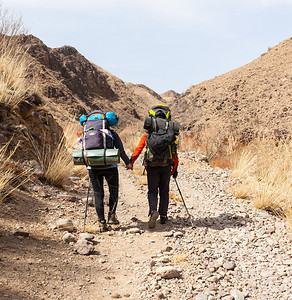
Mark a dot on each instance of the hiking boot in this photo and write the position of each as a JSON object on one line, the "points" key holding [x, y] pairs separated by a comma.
{"points": [[102, 226], [113, 219], [152, 220], [163, 219]]}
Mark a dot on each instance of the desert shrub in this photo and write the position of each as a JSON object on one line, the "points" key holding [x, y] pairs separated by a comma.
{"points": [[13, 60], [70, 130], [266, 166], [216, 142], [11, 177], [55, 160]]}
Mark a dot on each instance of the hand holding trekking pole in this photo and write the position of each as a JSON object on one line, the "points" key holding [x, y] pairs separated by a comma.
{"points": [[175, 173]]}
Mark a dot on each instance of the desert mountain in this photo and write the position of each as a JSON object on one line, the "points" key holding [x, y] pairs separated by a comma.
{"points": [[170, 96], [253, 100], [73, 85]]}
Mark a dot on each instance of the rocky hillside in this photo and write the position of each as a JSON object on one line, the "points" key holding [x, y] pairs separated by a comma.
{"points": [[170, 96], [253, 100], [72, 85]]}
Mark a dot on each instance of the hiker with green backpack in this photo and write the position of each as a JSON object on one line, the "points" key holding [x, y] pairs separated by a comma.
{"points": [[98, 153], [160, 160]]}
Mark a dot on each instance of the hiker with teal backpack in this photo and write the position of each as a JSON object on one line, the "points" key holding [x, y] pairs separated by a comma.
{"points": [[160, 160], [97, 134]]}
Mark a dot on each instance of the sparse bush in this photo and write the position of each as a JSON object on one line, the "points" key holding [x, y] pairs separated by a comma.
{"points": [[70, 130], [56, 163], [216, 142], [10, 178], [13, 60], [267, 166]]}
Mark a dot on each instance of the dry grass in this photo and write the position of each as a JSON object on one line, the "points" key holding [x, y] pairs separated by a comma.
{"points": [[70, 130], [139, 171], [59, 165], [10, 180], [173, 196], [213, 141], [241, 190], [13, 60], [56, 162], [180, 258], [131, 136], [142, 181], [80, 171], [267, 166]]}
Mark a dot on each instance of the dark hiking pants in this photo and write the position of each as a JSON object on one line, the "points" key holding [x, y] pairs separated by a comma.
{"points": [[158, 181], [111, 175]]}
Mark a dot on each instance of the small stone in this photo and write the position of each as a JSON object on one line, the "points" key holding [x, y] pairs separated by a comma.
{"points": [[65, 224], [83, 247], [159, 295], [168, 272], [133, 230], [116, 296], [90, 201], [201, 297], [68, 197], [228, 297], [86, 236], [178, 234], [69, 237], [237, 295], [21, 233], [165, 259], [219, 262], [168, 234], [167, 249], [229, 265], [212, 279]]}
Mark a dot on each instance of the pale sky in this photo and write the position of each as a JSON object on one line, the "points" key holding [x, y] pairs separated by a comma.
{"points": [[164, 44]]}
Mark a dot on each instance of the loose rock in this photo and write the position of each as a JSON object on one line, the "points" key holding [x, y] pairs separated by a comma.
{"points": [[168, 272]]}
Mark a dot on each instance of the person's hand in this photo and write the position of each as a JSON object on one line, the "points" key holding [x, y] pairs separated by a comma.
{"points": [[175, 173], [129, 166]]}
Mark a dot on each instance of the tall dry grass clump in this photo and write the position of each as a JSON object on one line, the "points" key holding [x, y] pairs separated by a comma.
{"points": [[10, 180], [265, 170], [13, 60], [71, 129], [55, 160]]}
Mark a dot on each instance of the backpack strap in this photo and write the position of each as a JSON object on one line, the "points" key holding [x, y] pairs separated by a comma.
{"points": [[104, 138]]}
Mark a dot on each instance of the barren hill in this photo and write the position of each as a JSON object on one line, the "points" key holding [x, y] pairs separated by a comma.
{"points": [[253, 100], [170, 96], [74, 85]]}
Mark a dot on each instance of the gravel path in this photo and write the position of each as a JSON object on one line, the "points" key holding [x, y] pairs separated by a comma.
{"points": [[232, 251]]}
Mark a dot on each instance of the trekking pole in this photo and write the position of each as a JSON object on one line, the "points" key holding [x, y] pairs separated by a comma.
{"points": [[183, 201], [85, 214]]}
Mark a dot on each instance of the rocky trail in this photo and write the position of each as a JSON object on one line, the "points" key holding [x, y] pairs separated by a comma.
{"points": [[232, 251]]}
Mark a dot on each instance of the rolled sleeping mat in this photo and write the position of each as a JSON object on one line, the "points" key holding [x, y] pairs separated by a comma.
{"points": [[96, 157]]}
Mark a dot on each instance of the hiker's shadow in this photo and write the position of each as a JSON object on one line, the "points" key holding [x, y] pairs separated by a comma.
{"points": [[218, 223], [222, 221], [143, 225]]}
